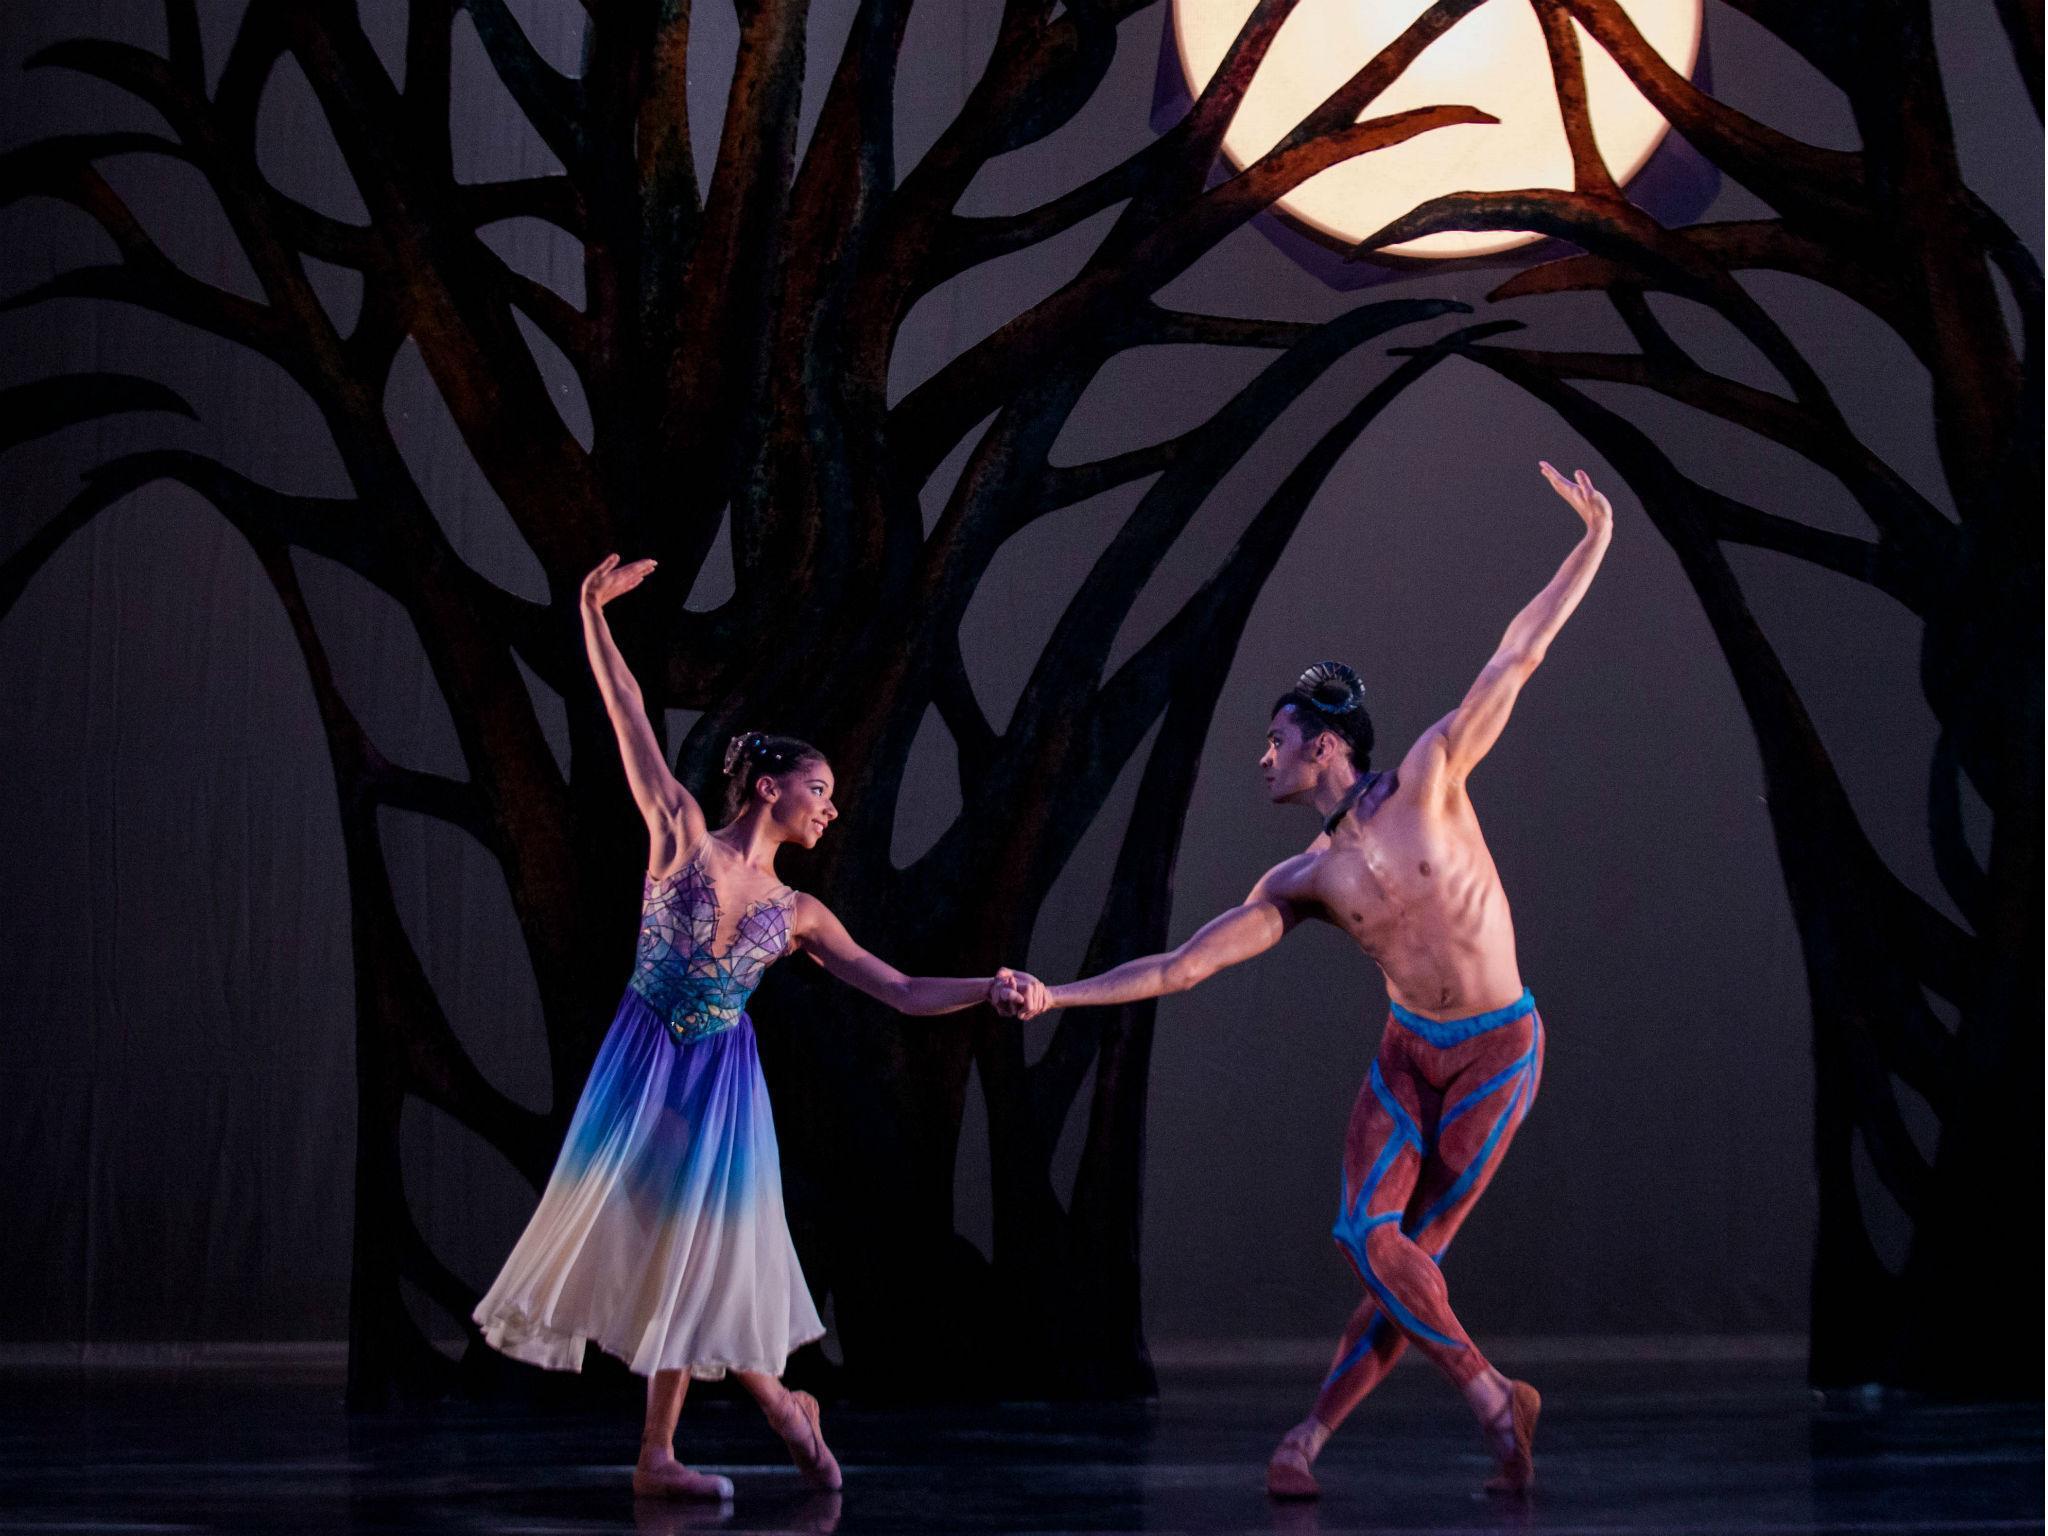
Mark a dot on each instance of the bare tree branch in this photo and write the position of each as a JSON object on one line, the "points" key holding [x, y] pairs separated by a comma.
{"points": [[479, 361], [147, 76], [30, 411], [973, 736], [1568, 76], [551, 101], [1902, 514], [430, 794], [1616, 228], [552, 199], [183, 52], [1782, 170], [939, 411], [2022, 22], [1735, 246], [1961, 875]]}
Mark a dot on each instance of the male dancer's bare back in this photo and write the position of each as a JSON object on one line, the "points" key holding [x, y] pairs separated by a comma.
{"points": [[1403, 868]]}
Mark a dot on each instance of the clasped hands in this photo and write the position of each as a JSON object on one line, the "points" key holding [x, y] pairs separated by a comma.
{"points": [[1018, 994]]}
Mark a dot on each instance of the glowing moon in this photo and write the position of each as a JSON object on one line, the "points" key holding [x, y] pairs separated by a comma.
{"points": [[1493, 59]]}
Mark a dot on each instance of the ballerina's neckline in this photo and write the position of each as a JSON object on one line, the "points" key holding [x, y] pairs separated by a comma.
{"points": [[718, 953]]}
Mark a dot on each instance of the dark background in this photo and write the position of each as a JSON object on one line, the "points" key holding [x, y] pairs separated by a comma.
{"points": [[176, 1049]]}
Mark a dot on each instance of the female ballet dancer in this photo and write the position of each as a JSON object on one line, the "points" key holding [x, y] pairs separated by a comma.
{"points": [[660, 1237]]}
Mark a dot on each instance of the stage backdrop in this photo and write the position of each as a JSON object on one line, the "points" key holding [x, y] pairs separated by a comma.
{"points": [[178, 1052]]}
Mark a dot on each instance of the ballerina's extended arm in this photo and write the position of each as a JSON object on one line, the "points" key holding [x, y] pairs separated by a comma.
{"points": [[675, 822], [820, 934]]}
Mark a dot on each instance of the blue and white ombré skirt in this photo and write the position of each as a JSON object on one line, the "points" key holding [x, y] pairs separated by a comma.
{"points": [[660, 1237]]}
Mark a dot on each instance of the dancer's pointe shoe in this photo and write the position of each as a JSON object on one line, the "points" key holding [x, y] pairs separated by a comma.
{"points": [[1517, 1474], [1287, 1473], [797, 1423], [655, 1478]]}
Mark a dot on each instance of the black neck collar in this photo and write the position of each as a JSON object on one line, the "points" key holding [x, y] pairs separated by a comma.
{"points": [[1352, 796], [1367, 789]]}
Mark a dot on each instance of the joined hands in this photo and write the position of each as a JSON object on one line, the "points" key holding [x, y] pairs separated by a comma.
{"points": [[1018, 994]]}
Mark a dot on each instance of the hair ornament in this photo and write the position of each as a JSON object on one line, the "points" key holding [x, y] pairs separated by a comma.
{"points": [[738, 745], [1332, 687]]}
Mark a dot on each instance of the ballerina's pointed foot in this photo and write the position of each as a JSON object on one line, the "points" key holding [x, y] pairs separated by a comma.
{"points": [[1517, 1474], [663, 1477], [797, 1423], [1287, 1473]]}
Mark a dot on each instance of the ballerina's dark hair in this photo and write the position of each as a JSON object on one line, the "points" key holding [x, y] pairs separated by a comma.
{"points": [[753, 753], [1329, 696]]}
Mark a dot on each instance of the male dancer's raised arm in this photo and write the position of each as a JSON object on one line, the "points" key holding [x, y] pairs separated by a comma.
{"points": [[1456, 743]]}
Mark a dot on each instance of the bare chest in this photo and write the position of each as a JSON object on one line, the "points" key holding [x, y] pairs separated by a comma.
{"points": [[1397, 871]]}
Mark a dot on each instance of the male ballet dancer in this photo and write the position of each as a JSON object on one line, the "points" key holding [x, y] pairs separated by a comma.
{"points": [[1402, 868]]}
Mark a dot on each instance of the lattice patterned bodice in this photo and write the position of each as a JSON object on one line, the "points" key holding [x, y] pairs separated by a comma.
{"points": [[678, 970]]}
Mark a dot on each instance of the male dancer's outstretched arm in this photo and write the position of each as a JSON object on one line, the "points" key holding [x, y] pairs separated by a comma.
{"points": [[1250, 928]]}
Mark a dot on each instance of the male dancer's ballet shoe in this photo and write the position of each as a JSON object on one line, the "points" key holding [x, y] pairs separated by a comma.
{"points": [[673, 1480], [1287, 1473], [806, 1441], [1517, 1474]]}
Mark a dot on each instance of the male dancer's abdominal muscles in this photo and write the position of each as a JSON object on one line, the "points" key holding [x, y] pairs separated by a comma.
{"points": [[1436, 937]]}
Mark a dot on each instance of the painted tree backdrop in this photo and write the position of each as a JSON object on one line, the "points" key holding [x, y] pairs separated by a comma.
{"points": [[733, 350]]}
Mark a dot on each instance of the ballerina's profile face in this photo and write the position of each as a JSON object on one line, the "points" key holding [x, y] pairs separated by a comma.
{"points": [[1292, 763], [800, 802]]}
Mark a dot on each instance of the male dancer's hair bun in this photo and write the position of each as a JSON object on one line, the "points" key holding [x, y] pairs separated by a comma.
{"points": [[1332, 687]]}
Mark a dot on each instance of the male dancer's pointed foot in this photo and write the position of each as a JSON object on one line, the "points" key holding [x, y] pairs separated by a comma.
{"points": [[658, 1475], [797, 1422], [1517, 1474], [1287, 1473]]}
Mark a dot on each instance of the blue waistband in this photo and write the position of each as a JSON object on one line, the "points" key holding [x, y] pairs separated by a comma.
{"points": [[1453, 1031]]}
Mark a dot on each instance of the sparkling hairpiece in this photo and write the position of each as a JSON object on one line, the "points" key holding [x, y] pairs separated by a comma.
{"points": [[736, 746], [1332, 687]]}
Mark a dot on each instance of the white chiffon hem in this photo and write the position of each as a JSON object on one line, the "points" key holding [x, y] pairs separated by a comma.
{"points": [[660, 1237]]}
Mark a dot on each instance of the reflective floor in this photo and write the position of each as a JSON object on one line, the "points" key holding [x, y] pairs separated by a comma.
{"points": [[1623, 1449]]}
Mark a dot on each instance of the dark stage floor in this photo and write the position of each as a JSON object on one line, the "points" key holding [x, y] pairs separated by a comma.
{"points": [[1624, 1449]]}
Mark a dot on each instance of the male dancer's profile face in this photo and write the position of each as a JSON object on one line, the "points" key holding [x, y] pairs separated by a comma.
{"points": [[1291, 763]]}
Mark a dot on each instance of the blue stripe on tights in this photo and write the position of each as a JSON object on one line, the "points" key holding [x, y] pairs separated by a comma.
{"points": [[1443, 1032], [1351, 1207], [1456, 1192], [1404, 1123], [1490, 1085], [1374, 1326], [1408, 1321], [1359, 1350], [1352, 1233]]}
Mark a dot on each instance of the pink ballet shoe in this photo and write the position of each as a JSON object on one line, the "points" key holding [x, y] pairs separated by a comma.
{"points": [[673, 1480], [806, 1441], [1517, 1474], [1287, 1473]]}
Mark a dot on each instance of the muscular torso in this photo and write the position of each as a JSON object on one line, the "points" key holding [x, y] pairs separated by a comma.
{"points": [[1408, 876]]}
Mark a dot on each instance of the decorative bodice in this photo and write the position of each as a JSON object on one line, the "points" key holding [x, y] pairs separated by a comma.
{"points": [[696, 990]]}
